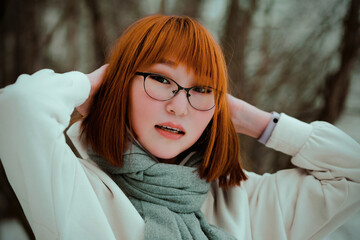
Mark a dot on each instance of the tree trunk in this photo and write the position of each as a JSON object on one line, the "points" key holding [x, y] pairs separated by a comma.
{"points": [[337, 83], [234, 42], [26, 37], [190, 8], [72, 33], [100, 36]]}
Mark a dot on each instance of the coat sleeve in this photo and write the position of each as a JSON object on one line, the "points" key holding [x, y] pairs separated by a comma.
{"points": [[46, 176], [314, 199]]}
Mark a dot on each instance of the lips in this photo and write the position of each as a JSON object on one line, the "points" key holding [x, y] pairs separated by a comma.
{"points": [[171, 128]]}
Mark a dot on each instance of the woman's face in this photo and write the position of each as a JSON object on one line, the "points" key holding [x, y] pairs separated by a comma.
{"points": [[157, 123]]}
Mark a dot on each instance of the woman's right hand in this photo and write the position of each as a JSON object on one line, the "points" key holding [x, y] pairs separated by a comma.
{"points": [[95, 79]]}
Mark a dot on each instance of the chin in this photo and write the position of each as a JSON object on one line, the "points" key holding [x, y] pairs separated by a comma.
{"points": [[166, 155], [167, 152]]}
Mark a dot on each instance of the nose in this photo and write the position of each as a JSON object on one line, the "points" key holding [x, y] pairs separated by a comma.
{"points": [[179, 104]]}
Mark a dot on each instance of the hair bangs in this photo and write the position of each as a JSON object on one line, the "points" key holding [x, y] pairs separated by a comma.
{"points": [[184, 41]]}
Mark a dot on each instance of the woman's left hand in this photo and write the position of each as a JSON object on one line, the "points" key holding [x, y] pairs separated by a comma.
{"points": [[95, 79], [247, 119]]}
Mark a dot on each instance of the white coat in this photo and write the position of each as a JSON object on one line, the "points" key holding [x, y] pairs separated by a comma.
{"points": [[66, 197]]}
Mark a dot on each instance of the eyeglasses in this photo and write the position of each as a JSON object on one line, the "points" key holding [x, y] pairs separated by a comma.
{"points": [[162, 88]]}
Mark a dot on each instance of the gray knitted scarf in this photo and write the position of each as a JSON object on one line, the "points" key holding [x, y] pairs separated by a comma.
{"points": [[167, 196]]}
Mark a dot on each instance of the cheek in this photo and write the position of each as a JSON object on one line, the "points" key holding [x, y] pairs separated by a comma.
{"points": [[138, 115], [136, 108], [201, 120], [142, 110], [139, 107]]}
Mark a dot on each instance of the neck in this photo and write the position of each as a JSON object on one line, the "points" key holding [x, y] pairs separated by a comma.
{"points": [[178, 158], [174, 160]]}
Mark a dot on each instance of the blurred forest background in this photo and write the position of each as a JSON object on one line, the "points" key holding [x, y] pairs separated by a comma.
{"points": [[297, 57]]}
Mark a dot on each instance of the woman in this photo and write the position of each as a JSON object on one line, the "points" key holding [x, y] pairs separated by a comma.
{"points": [[157, 151]]}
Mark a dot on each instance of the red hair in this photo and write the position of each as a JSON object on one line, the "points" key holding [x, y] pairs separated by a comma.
{"points": [[151, 40]]}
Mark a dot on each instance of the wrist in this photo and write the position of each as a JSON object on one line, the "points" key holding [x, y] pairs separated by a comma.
{"points": [[251, 120], [257, 120], [246, 118]]}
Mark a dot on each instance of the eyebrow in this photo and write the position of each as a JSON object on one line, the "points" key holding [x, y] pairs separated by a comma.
{"points": [[167, 62]]}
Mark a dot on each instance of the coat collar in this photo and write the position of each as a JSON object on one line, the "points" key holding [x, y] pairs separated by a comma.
{"points": [[73, 133]]}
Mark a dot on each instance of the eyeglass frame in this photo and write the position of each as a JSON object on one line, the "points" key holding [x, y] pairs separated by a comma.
{"points": [[187, 90]]}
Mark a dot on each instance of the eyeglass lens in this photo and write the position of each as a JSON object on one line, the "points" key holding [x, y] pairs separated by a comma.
{"points": [[162, 88]]}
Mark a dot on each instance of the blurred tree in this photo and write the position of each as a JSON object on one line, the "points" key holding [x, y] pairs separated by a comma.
{"points": [[72, 13], [336, 84], [3, 31], [189, 8], [296, 76], [234, 41], [99, 33], [21, 36]]}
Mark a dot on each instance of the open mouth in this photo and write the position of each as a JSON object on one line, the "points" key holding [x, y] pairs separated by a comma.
{"points": [[170, 129]]}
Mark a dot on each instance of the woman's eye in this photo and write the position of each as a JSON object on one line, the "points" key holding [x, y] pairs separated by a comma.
{"points": [[160, 79], [204, 90]]}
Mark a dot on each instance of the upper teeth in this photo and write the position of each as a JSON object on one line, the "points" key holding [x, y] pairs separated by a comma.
{"points": [[170, 129]]}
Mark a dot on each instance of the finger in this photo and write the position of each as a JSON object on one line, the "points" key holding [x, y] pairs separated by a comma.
{"points": [[96, 76], [98, 72]]}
